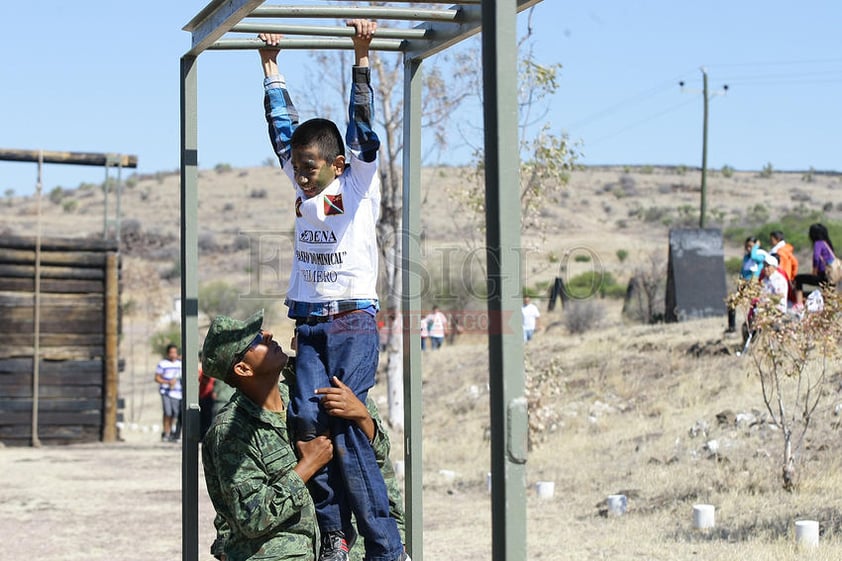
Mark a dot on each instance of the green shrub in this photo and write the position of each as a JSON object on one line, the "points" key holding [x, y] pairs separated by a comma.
{"points": [[767, 171], [56, 195], [110, 184], [622, 254], [757, 214], [218, 298], [540, 290], [733, 266], [656, 214], [69, 205], [727, 171], [169, 334], [592, 283]]}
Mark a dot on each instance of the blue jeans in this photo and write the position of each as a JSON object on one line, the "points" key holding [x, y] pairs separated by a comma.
{"points": [[345, 347]]}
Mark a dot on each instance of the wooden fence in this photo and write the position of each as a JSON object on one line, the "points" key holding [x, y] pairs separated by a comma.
{"points": [[72, 291]]}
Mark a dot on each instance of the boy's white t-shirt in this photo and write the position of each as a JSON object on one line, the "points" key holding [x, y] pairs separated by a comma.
{"points": [[336, 256], [170, 369]]}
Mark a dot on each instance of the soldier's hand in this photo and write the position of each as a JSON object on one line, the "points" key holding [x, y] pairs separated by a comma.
{"points": [[314, 454]]}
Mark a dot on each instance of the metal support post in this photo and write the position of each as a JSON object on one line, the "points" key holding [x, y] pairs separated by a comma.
{"points": [[506, 379], [189, 311], [411, 305]]}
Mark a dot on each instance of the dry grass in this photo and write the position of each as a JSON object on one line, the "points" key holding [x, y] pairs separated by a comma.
{"points": [[628, 401]]}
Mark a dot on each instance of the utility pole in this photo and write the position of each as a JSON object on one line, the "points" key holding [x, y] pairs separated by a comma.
{"points": [[706, 96], [703, 204]]}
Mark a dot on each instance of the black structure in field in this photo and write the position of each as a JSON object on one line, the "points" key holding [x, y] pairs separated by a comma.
{"points": [[695, 275]]}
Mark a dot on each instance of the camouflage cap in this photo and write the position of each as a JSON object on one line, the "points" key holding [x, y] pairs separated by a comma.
{"points": [[226, 340]]}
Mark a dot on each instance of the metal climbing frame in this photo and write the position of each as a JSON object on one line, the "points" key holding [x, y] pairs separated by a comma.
{"points": [[417, 34]]}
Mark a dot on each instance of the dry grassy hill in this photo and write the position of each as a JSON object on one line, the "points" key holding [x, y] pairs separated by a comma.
{"points": [[666, 414]]}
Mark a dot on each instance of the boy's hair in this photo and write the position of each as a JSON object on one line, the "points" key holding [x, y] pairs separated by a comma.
{"points": [[321, 133]]}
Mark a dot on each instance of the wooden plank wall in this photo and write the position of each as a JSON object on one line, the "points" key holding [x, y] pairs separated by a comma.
{"points": [[73, 391]]}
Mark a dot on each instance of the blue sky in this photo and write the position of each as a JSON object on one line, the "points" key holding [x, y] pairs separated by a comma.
{"points": [[103, 76]]}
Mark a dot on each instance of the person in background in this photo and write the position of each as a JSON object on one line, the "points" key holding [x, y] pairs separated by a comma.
{"points": [[530, 314], [775, 285], [425, 333], [823, 255], [787, 261], [749, 270], [168, 377], [436, 328]]}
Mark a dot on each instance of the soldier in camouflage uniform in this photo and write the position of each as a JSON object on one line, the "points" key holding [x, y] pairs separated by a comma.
{"points": [[256, 482]]}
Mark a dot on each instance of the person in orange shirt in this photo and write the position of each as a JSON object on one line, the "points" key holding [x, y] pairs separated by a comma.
{"points": [[788, 263], [784, 251]]}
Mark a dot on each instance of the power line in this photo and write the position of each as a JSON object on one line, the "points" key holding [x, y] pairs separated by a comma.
{"points": [[643, 121], [795, 79], [631, 100], [777, 63]]}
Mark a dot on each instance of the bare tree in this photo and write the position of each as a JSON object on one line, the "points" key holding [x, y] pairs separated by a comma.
{"points": [[547, 157], [791, 356], [448, 80], [646, 290]]}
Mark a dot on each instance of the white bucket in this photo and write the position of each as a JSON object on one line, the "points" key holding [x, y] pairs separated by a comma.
{"points": [[807, 533], [545, 489], [703, 516], [400, 469], [448, 474], [617, 504]]}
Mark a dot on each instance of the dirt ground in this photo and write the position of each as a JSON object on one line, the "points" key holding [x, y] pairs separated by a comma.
{"points": [[96, 501]]}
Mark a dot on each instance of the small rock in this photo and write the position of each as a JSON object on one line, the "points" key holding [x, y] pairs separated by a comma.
{"points": [[726, 417]]}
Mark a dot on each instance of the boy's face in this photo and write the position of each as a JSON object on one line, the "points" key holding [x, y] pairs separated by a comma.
{"points": [[312, 172]]}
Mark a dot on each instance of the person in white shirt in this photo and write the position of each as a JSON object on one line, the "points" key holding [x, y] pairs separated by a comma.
{"points": [[530, 318], [436, 328], [168, 377], [775, 283]]}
